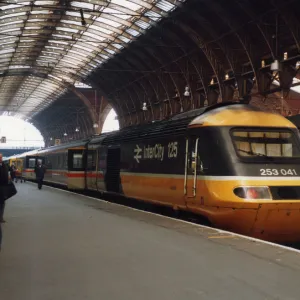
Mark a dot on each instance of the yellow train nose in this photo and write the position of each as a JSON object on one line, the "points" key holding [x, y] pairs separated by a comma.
{"points": [[278, 222]]}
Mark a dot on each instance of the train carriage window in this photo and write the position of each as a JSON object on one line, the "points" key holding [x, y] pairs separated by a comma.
{"points": [[31, 163], [275, 144], [77, 161]]}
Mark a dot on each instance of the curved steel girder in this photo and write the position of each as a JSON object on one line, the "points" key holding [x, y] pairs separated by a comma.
{"points": [[216, 65], [138, 59], [145, 81], [116, 79], [247, 7], [175, 36], [133, 62], [103, 116], [67, 123], [246, 43], [289, 17], [171, 37], [103, 90], [205, 23], [73, 89], [129, 91], [167, 55], [87, 103], [121, 81]]}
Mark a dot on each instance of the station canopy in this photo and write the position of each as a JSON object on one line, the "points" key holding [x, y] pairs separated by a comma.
{"points": [[47, 45]]}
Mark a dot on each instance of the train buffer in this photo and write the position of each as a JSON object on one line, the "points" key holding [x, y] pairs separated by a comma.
{"points": [[60, 245]]}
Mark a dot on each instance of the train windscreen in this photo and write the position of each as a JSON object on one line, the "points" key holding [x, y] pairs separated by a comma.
{"points": [[266, 143]]}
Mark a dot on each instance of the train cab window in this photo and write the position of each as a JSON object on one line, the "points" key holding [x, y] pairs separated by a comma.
{"points": [[275, 144]]}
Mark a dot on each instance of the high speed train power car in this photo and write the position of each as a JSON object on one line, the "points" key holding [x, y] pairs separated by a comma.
{"points": [[233, 164]]}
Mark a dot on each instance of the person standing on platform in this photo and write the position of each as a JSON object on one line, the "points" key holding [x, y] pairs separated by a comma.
{"points": [[3, 183], [13, 171], [40, 173]]}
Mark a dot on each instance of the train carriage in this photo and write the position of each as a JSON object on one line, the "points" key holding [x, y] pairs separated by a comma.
{"points": [[235, 165], [65, 164]]}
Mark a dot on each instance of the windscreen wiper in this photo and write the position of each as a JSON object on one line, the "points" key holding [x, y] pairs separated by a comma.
{"points": [[254, 153]]}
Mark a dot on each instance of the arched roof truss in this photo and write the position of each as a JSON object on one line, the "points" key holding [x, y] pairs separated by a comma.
{"points": [[46, 45]]}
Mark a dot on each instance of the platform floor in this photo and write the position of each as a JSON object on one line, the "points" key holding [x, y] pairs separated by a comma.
{"points": [[61, 246]]}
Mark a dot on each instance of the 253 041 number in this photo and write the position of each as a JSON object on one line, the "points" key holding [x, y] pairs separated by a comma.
{"points": [[276, 172]]}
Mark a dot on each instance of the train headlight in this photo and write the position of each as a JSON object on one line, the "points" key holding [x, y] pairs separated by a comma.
{"points": [[253, 192]]}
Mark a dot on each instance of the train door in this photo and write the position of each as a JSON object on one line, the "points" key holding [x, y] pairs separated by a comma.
{"points": [[112, 176], [101, 168], [190, 174], [91, 168], [30, 164]]}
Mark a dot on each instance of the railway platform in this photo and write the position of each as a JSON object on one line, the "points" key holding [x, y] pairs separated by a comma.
{"points": [[60, 245]]}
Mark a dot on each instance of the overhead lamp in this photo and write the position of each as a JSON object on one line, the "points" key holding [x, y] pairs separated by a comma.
{"points": [[95, 125], [212, 81], [285, 55], [275, 65], [51, 139], [144, 108], [65, 134], [263, 63], [187, 91], [226, 77], [77, 129]]}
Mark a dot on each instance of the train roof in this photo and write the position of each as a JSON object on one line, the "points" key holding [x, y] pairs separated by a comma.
{"points": [[176, 125], [220, 114], [73, 144], [240, 115]]}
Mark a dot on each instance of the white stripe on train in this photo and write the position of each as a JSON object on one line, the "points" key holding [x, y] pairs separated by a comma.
{"points": [[216, 178]]}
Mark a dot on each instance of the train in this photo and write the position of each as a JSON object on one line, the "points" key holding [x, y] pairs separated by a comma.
{"points": [[235, 165]]}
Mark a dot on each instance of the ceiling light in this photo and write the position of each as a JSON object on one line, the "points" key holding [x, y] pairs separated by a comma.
{"points": [[187, 91], [275, 65]]}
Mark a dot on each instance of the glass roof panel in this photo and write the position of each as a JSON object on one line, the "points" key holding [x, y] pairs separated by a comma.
{"points": [[108, 22], [44, 43], [128, 4], [133, 32], [114, 12], [165, 5]]}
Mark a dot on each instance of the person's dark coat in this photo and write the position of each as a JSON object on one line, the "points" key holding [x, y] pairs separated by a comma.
{"points": [[40, 171], [3, 174], [3, 178]]}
